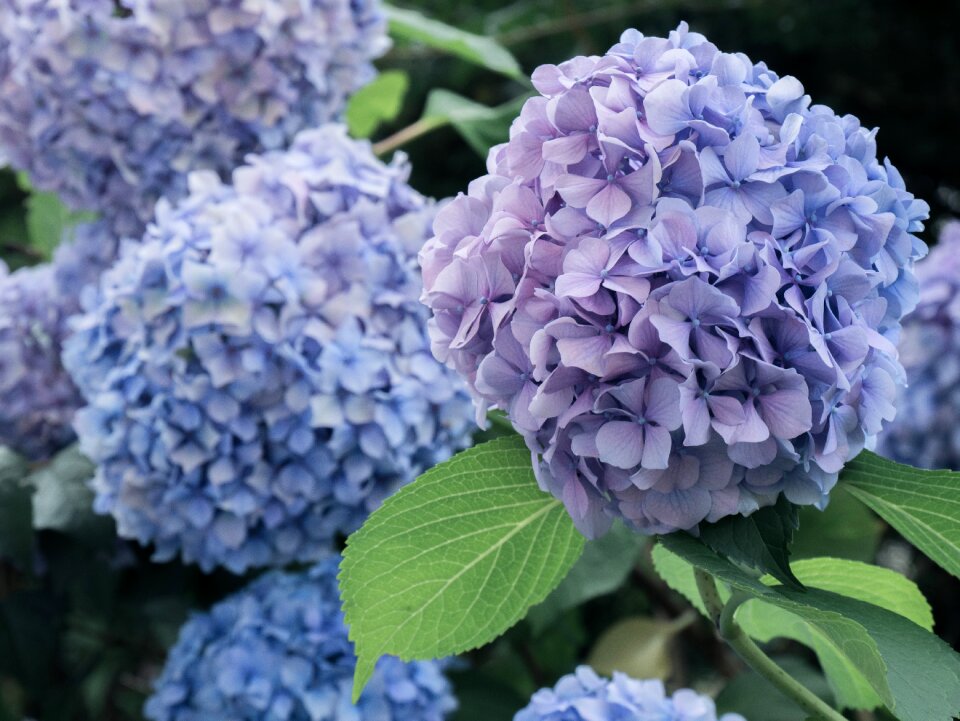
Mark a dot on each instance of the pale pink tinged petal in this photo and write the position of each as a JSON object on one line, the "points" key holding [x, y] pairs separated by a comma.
{"points": [[546, 79], [584, 353], [675, 333], [696, 421], [567, 150], [497, 378], [729, 199], [753, 429], [584, 445], [761, 290], [520, 413], [569, 223], [680, 509], [608, 205], [663, 403], [636, 288], [578, 191], [665, 107], [786, 413], [525, 156], [753, 455], [641, 184], [574, 110], [741, 156], [577, 285], [590, 257], [551, 404], [712, 169], [656, 447], [632, 395], [725, 410], [468, 326], [620, 443], [575, 499], [716, 470]]}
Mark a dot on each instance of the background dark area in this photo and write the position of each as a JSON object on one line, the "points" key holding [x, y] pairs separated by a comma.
{"points": [[85, 625]]}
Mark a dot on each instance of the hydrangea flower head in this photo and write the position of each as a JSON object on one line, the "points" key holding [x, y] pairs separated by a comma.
{"points": [[682, 280], [37, 397], [278, 651], [257, 371], [925, 431], [585, 696], [111, 109]]}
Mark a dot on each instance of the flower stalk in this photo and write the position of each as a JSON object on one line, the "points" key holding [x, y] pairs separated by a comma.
{"points": [[724, 617]]}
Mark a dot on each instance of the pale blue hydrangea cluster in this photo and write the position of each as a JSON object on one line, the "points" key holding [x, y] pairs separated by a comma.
{"points": [[278, 651], [683, 281], [257, 371], [925, 432], [585, 696], [37, 397], [112, 109]]}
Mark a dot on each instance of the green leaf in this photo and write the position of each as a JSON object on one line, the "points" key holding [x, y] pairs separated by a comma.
{"points": [[454, 559], [16, 511], [754, 697], [638, 646], [482, 697], [760, 540], [922, 505], [481, 126], [603, 567], [377, 102], [910, 670], [477, 49], [845, 529], [62, 500], [47, 218]]}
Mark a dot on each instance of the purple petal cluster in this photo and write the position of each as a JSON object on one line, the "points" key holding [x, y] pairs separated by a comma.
{"points": [[278, 651], [925, 432], [682, 280], [257, 371], [585, 696], [112, 109], [37, 397]]}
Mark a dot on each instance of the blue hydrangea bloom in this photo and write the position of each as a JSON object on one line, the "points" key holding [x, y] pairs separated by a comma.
{"points": [[683, 281], [925, 432], [278, 651], [257, 370], [585, 696], [111, 109], [37, 397]]}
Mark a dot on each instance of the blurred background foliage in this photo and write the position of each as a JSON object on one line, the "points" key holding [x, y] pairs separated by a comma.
{"points": [[85, 619]]}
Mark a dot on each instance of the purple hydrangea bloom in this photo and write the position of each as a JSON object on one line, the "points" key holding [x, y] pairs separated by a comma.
{"points": [[925, 432], [112, 110], [278, 651], [257, 371], [37, 397], [585, 696], [682, 280]]}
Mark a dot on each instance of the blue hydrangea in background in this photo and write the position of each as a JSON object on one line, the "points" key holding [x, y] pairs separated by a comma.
{"points": [[683, 281], [278, 651], [257, 371], [37, 397], [925, 432], [111, 109], [585, 696]]}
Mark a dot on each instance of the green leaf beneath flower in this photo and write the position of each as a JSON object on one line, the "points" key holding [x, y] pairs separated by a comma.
{"points": [[760, 540], [481, 126], [378, 102], [477, 49], [454, 559], [922, 505], [904, 666]]}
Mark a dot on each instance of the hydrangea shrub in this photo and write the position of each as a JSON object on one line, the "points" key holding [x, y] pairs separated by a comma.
{"points": [[278, 651], [257, 371], [37, 397], [113, 109], [925, 432], [585, 696], [682, 280]]}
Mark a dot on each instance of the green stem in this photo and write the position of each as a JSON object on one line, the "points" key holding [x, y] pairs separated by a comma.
{"points": [[723, 615], [408, 134]]}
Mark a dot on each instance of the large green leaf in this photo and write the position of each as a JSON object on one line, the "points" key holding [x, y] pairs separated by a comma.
{"points": [[845, 529], [47, 218], [923, 505], [454, 559], [760, 540], [909, 669], [62, 501], [755, 698], [481, 126], [603, 567], [377, 102], [477, 49]]}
